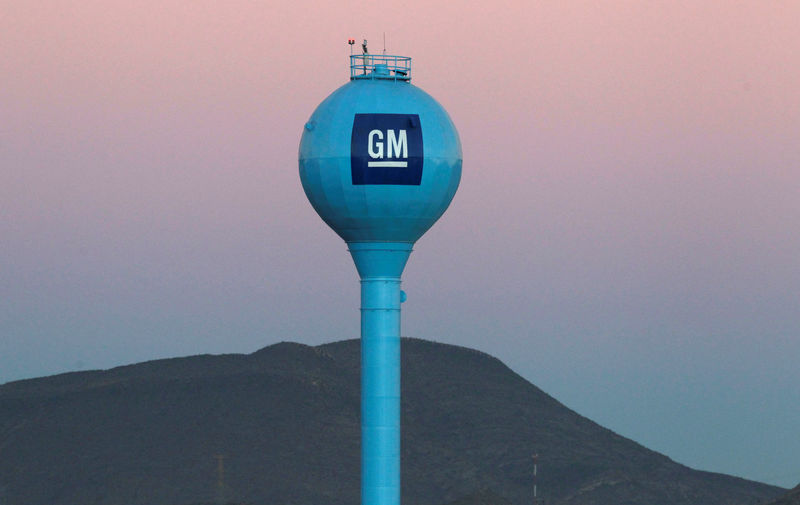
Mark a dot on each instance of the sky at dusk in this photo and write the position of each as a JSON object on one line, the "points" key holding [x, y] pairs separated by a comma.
{"points": [[626, 235]]}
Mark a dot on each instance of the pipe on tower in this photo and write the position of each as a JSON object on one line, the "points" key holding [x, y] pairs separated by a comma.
{"points": [[380, 266]]}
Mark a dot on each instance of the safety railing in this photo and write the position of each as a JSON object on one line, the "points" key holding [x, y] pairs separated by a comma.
{"points": [[380, 66]]}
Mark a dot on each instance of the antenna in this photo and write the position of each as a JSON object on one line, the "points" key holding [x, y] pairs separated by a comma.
{"points": [[536, 500], [384, 42], [220, 477], [365, 52], [351, 42]]}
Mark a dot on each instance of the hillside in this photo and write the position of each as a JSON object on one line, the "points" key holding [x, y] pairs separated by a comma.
{"points": [[790, 498], [286, 420], [483, 497]]}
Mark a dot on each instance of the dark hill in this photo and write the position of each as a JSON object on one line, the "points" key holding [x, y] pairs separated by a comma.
{"points": [[286, 420], [483, 497], [790, 498]]}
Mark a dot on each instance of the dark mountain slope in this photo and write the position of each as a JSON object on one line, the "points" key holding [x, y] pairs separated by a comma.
{"points": [[286, 419], [790, 498], [483, 497]]}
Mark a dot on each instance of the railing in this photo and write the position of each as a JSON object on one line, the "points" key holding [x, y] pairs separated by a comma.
{"points": [[380, 66]]}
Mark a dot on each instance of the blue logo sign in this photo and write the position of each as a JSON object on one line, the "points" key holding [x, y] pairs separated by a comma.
{"points": [[386, 149]]}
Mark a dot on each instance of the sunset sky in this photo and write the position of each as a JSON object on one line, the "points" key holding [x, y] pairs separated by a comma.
{"points": [[626, 235]]}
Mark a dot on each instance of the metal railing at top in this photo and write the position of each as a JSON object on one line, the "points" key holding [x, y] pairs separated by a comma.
{"points": [[380, 66]]}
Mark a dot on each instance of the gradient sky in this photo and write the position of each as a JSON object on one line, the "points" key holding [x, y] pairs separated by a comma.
{"points": [[625, 235]]}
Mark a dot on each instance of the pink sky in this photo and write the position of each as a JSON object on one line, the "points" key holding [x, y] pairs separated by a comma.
{"points": [[625, 235]]}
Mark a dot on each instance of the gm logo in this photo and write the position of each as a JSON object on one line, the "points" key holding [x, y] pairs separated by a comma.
{"points": [[386, 149]]}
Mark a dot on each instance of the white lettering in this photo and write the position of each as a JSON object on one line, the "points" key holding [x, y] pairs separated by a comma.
{"points": [[402, 164], [397, 145], [378, 144]]}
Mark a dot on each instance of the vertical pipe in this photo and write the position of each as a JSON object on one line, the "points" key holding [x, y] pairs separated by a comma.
{"points": [[380, 391], [380, 265]]}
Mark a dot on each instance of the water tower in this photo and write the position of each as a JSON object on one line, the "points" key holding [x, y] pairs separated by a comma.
{"points": [[380, 161]]}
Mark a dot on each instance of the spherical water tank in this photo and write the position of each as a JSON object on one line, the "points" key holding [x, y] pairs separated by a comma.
{"points": [[380, 159]]}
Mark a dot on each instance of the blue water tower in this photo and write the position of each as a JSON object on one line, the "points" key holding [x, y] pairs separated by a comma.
{"points": [[380, 161]]}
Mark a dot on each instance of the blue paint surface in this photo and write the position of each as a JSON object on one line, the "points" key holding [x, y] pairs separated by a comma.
{"points": [[380, 266], [380, 161], [378, 212]]}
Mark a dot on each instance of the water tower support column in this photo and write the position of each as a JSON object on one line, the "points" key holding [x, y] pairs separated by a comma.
{"points": [[380, 265]]}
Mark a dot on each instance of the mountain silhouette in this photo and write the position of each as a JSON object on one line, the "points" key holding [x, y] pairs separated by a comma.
{"points": [[790, 498], [284, 421]]}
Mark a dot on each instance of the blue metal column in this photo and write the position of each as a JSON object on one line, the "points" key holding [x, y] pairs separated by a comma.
{"points": [[380, 391], [380, 266]]}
